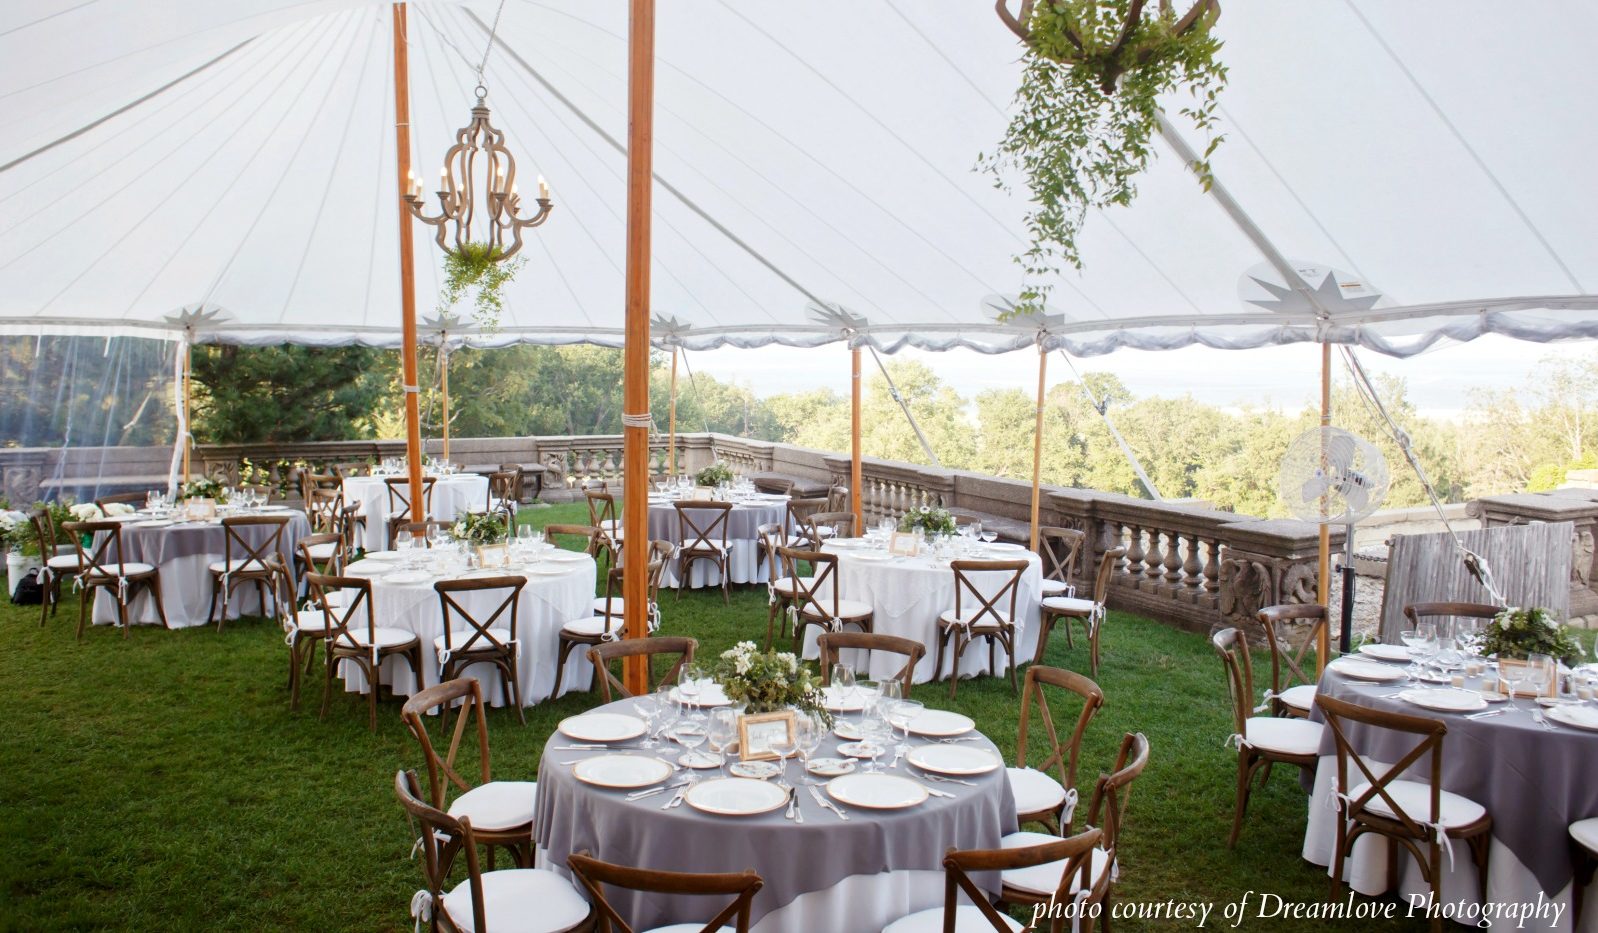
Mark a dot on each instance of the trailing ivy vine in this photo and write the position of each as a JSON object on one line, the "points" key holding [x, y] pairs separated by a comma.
{"points": [[478, 266], [1087, 109]]}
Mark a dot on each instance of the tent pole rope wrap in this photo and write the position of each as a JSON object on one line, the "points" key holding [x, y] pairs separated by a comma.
{"points": [[1103, 408], [893, 390]]}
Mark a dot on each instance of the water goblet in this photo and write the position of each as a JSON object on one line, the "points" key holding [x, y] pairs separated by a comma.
{"points": [[843, 683], [870, 692], [1540, 673], [690, 734], [648, 708], [989, 537], [809, 730], [689, 686], [785, 747], [722, 731], [874, 733]]}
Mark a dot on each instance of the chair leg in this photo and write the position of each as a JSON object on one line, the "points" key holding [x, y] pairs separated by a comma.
{"points": [[1045, 627], [937, 659], [327, 684], [122, 611], [960, 644], [85, 600], [771, 621], [726, 571], [210, 615], [1009, 650], [1093, 648], [1245, 775], [154, 587], [515, 690], [566, 646], [294, 675]]}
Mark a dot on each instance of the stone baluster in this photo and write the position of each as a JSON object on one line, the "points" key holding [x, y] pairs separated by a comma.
{"points": [[1173, 558], [1134, 551], [1191, 566]]}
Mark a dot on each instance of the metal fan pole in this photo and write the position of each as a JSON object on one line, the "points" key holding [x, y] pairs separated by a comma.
{"points": [[1348, 589]]}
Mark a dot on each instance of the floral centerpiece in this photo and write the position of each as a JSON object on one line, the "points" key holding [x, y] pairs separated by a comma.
{"points": [[929, 519], [765, 681], [714, 475], [203, 487], [85, 512], [481, 529], [15, 529], [1516, 633]]}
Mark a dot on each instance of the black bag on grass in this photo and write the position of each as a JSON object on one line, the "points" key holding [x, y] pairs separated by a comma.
{"points": [[29, 591]]}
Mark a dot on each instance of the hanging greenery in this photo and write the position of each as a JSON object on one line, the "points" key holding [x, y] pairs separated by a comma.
{"points": [[478, 266], [1087, 109]]}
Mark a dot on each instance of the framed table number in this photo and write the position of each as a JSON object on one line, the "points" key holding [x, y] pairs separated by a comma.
{"points": [[904, 544], [759, 733]]}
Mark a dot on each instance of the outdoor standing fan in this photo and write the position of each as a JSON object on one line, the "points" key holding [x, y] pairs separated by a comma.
{"points": [[1332, 477]]}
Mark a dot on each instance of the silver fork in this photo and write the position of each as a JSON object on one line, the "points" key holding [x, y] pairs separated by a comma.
{"points": [[1537, 716]]}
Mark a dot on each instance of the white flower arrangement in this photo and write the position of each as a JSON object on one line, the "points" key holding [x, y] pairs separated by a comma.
{"points": [[767, 680], [86, 512], [14, 527], [113, 509]]}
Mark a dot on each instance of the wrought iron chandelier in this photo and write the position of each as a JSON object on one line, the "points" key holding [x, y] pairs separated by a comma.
{"points": [[478, 177]]}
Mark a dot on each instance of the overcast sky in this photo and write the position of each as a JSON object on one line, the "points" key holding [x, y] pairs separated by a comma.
{"points": [[1283, 377]]}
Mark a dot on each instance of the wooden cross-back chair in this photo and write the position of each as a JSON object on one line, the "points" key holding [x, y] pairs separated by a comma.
{"points": [[830, 644], [1073, 856], [594, 875], [306, 628], [816, 601], [974, 616], [262, 564], [501, 811], [602, 654], [607, 622], [603, 515], [1421, 817], [1261, 740], [518, 475], [820, 527], [310, 480], [57, 566], [134, 499], [794, 515], [1048, 798], [1061, 552], [504, 496], [1292, 632], [324, 507], [354, 636], [1439, 611], [103, 567], [554, 533], [421, 533], [702, 537], [532, 900], [491, 640], [614, 604], [399, 501], [1090, 612], [780, 590]]}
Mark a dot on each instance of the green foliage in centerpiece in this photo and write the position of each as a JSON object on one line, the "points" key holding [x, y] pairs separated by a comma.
{"points": [[481, 528], [765, 681], [478, 265], [1516, 633], [929, 519], [203, 487], [714, 475]]}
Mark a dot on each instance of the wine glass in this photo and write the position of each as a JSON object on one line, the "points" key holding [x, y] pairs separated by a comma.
{"points": [[666, 711], [1515, 676], [988, 537], [1426, 645], [809, 730], [843, 684], [870, 692], [722, 731], [1540, 670], [1412, 637], [785, 747], [689, 686], [690, 734], [647, 706], [874, 733]]}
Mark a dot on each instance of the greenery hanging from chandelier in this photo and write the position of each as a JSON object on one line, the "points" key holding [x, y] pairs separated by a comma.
{"points": [[481, 267], [1087, 109]]}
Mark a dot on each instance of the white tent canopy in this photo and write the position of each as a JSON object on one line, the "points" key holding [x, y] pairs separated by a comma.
{"points": [[228, 169]]}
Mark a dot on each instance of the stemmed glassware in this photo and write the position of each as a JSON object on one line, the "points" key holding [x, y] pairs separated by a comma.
{"points": [[666, 712], [809, 730], [648, 708], [988, 537], [722, 731], [875, 732], [1413, 639], [1426, 647], [1539, 674], [843, 684], [785, 747], [689, 686], [903, 714], [690, 734]]}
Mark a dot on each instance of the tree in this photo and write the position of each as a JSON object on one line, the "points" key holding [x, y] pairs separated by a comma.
{"points": [[246, 395], [77, 391]]}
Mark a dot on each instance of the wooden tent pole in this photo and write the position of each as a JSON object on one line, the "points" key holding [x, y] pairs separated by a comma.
{"points": [[1037, 443], [671, 444], [856, 484], [188, 405], [1324, 563], [635, 384], [443, 386], [402, 147]]}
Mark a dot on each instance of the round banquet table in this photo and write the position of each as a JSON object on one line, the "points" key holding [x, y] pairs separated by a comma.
{"points": [[452, 495], [908, 593], [183, 551], [743, 543], [1533, 781], [825, 874], [548, 601]]}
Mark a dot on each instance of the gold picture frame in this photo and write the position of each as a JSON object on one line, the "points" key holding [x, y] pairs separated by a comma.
{"points": [[758, 732], [905, 544], [493, 555]]}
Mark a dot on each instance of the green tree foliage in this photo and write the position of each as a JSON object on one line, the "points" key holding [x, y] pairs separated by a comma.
{"points": [[246, 395], [77, 391]]}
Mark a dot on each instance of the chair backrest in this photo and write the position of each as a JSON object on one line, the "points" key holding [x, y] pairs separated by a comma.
{"points": [[502, 492], [420, 532], [1062, 756], [1107, 810], [134, 499], [1108, 561], [815, 521], [601, 508], [697, 530], [399, 496], [463, 698], [830, 643], [601, 655], [1292, 643], [820, 589], [357, 612], [479, 632], [333, 565], [798, 510], [1076, 852], [589, 534], [443, 837], [593, 875], [44, 528], [267, 554], [518, 479], [1428, 744], [310, 481], [349, 521], [838, 499], [1415, 612], [325, 508], [1233, 649], [974, 608], [1061, 551], [103, 554]]}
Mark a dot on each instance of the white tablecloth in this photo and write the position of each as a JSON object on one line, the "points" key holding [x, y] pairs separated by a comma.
{"points": [[908, 593], [743, 544], [547, 603], [183, 553], [452, 495]]}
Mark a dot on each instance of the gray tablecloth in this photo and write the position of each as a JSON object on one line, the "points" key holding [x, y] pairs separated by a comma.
{"points": [[792, 859], [741, 521], [1534, 782], [160, 545]]}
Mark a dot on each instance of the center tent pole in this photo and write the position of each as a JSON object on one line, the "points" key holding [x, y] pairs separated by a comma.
{"points": [[636, 420], [856, 484], [1037, 443], [402, 146]]}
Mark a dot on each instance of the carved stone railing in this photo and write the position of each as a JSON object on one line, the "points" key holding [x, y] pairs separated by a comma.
{"points": [[1577, 506], [892, 488]]}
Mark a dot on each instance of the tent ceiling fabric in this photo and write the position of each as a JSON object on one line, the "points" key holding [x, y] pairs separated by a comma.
{"points": [[810, 156]]}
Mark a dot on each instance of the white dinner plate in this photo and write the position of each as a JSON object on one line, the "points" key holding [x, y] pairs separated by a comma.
{"points": [[1373, 671], [830, 767], [621, 771], [1385, 652], [876, 791], [955, 760], [710, 694], [847, 731], [735, 797], [383, 555], [272, 508], [939, 723], [873, 557], [156, 523], [406, 577], [838, 701], [754, 770], [602, 727], [1580, 717], [545, 570], [1445, 700], [565, 557], [859, 749]]}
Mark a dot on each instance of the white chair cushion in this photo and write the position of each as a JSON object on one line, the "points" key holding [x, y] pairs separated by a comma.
{"points": [[126, 570], [703, 547], [847, 608], [1299, 697], [593, 627], [1585, 832], [497, 805], [384, 637], [976, 623], [1416, 800], [236, 564], [64, 562], [967, 919], [1034, 790], [617, 606], [1045, 879], [1053, 587], [519, 900], [323, 551], [1069, 604], [460, 638], [311, 621], [1279, 734], [786, 584], [686, 928]]}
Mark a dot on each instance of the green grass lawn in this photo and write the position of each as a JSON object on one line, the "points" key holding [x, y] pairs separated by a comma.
{"points": [[161, 781]]}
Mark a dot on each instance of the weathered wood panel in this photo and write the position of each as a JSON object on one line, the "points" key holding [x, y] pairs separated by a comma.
{"points": [[1530, 564]]}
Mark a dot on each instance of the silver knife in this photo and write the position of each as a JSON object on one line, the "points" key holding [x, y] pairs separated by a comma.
{"points": [[827, 804], [676, 800]]}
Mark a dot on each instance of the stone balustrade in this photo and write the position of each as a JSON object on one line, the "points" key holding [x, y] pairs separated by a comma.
{"points": [[1578, 506]]}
